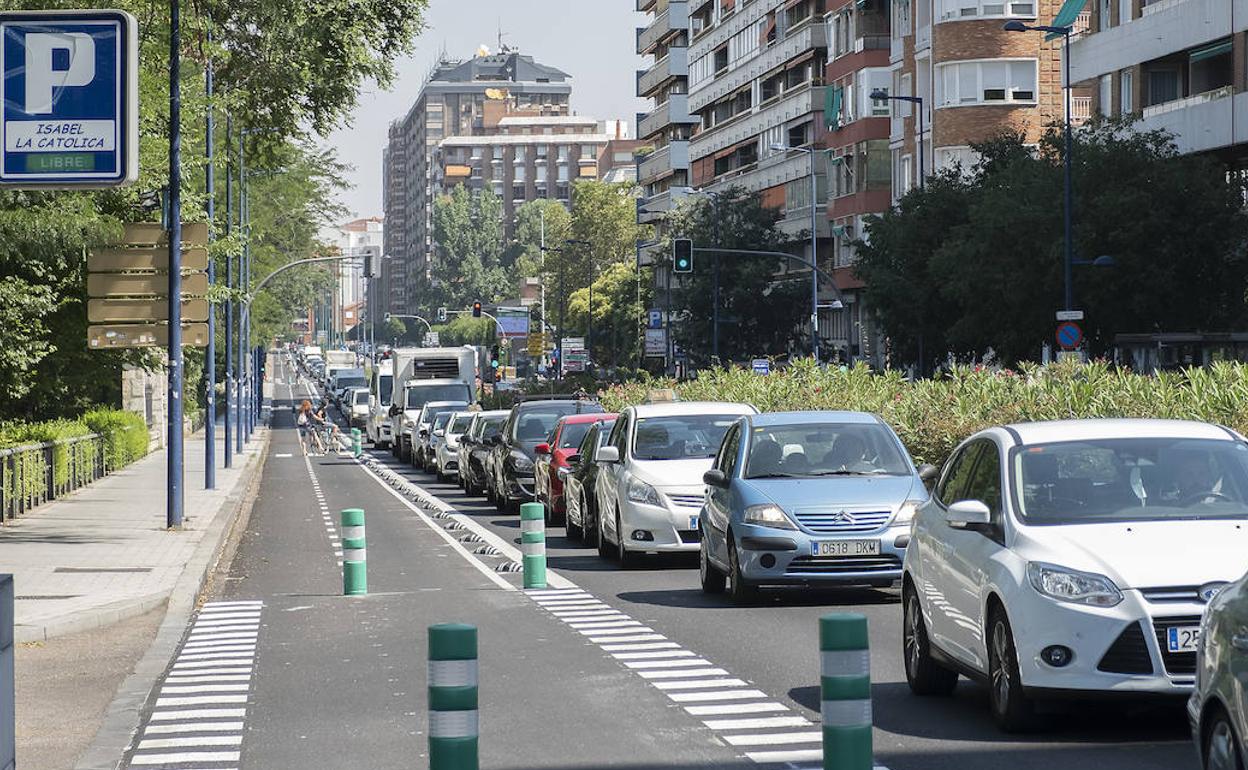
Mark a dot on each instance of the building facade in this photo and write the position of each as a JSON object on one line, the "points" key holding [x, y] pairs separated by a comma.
{"points": [[664, 131], [460, 98], [1180, 65], [350, 297], [521, 159]]}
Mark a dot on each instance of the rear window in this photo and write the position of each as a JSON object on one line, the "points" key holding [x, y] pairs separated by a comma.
{"points": [[572, 434]]}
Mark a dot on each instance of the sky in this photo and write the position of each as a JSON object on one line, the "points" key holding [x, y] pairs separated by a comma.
{"points": [[591, 40]]}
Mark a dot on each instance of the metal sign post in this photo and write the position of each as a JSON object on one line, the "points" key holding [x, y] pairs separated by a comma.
{"points": [[173, 457], [70, 99]]}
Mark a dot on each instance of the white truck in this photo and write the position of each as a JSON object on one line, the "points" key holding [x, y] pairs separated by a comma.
{"points": [[338, 360], [378, 427], [423, 375]]}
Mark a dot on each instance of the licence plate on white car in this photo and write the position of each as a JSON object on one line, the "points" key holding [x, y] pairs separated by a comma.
{"points": [[845, 548], [693, 522], [1182, 638]]}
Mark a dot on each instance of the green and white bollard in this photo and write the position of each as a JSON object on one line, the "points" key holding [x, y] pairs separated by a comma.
{"points": [[533, 544], [357, 447], [453, 724], [354, 554], [845, 684]]}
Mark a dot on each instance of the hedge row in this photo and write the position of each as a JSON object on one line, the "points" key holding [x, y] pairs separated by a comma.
{"points": [[933, 416], [125, 440]]}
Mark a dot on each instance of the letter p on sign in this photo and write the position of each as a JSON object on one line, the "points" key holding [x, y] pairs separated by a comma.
{"points": [[56, 60]]}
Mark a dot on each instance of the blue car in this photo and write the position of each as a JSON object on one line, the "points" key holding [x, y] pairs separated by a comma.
{"points": [[808, 498]]}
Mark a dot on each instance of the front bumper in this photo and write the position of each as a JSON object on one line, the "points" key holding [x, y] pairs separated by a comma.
{"points": [[522, 488], [1116, 649], [793, 562], [671, 529]]}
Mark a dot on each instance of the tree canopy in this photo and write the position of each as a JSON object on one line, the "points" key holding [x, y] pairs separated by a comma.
{"points": [[974, 262]]}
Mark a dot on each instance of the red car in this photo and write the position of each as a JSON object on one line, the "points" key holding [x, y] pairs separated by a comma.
{"points": [[553, 455]]}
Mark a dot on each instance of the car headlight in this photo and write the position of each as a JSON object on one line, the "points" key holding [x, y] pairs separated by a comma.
{"points": [[1069, 585], [641, 492], [906, 513], [768, 515], [520, 463]]}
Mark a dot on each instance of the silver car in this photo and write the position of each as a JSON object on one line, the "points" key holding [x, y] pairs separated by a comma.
{"points": [[806, 498], [1218, 708]]}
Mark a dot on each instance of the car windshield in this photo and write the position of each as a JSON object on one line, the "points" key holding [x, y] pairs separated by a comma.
{"points": [[534, 425], [680, 437], [386, 384], [459, 424], [418, 396], [351, 382], [572, 434], [824, 449], [441, 419], [1131, 479], [492, 426], [361, 397]]}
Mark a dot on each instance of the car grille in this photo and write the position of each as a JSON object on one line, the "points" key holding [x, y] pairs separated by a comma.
{"points": [[686, 501], [840, 520], [435, 369], [690, 535], [823, 565], [1128, 654], [1184, 594], [1177, 663]]}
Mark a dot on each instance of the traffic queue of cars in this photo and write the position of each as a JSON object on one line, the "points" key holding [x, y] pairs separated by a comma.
{"points": [[1049, 561]]}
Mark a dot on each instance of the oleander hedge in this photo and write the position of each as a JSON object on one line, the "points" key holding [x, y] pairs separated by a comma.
{"points": [[933, 416]]}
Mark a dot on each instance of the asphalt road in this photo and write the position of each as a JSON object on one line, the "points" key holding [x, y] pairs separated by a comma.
{"points": [[773, 645]]}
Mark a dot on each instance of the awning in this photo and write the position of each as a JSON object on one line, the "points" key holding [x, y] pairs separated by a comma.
{"points": [[838, 231], [1210, 51], [1066, 16], [832, 108]]}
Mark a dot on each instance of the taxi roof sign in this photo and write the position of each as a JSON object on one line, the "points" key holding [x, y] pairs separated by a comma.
{"points": [[69, 99]]}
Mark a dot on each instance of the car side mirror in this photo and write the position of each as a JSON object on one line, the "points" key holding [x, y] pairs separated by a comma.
{"points": [[609, 454], [968, 514], [715, 478], [424, 433], [573, 460], [439, 433], [542, 448], [372, 402], [928, 474], [395, 410]]}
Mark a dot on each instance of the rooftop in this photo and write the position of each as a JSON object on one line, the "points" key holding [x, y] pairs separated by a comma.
{"points": [[509, 66], [504, 139], [546, 120]]}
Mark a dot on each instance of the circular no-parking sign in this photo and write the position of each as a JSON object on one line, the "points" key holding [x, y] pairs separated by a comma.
{"points": [[1069, 335]]}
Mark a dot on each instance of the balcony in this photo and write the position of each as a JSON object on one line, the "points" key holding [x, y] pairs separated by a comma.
{"points": [[807, 37], [1080, 109], [644, 6], [674, 19], [674, 65], [663, 161], [656, 206], [1164, 28], [768, 172], [674, 110], [775, 112], [1203, 122], [1190, 101]]}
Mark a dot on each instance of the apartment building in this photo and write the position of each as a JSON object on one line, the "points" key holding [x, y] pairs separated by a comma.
{"points": [[664, 131], [355, 239], [522, 158], [392, 273], [1180, 65], [459, 98]]}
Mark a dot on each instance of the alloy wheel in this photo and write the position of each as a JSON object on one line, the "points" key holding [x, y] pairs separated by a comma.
{"points": [[999, 665], [1221, 751]]}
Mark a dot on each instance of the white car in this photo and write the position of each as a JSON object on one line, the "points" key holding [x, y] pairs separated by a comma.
{"points": [[1073, 558], [650, 490], [355, 406], [446, 459]]}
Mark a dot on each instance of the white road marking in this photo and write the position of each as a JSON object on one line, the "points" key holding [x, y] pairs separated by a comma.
{"points": [[672, 663], [199, 714], [190, 742], [705, 695], [184, 757], [647, 646], [199, 700], [735, 708], [283, 455], [606, 624], [639, 638], [682, 672], [191, 689], [651, 655], [774, 739], [193, 727], [697, 684], [756, 723], [213, 678], [801, 755]]}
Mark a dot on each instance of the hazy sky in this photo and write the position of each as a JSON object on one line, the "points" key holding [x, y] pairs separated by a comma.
{"points": [[591, 40]]}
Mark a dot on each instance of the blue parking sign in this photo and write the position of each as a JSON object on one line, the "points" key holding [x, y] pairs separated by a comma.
{"points": [[70, 99]]}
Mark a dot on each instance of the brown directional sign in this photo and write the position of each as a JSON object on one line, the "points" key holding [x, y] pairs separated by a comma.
{"points": [[104, 311], [143, 336], [152, 234], [122, 285], [144, 258]]}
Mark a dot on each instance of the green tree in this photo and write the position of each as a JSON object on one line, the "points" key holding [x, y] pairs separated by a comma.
{"points": [[759, 304], [467, 267], [964, 250], [620, 299]]}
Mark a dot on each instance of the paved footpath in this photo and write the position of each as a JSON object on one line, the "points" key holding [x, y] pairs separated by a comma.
{"points": [[282, 671], [103, 554]]}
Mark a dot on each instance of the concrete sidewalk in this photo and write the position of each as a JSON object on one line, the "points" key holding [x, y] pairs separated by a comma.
{"points": [[103, 554]]}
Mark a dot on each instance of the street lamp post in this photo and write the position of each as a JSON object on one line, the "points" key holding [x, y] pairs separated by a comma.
{"points": [[562, 308], [1068, 216], [814, 247], [589, 323]]}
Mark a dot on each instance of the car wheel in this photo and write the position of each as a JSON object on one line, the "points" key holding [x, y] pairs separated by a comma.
{"points": [[626, 557], [1011, 709], [739, 588], [604, 548], [1221, 749], [924, 675], [713, 580]]}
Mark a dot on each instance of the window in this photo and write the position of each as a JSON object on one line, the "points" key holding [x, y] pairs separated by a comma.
{"points": [[953, 10], [953, 486], [1163, 86], [797, 135], [728, 451], [1105, 96], [563, 174], [721, 60], [907, 173], [984, 483], [1127, 92], [518, 174], [517, 192], [589, 152], [986, 82], [563, 152]]}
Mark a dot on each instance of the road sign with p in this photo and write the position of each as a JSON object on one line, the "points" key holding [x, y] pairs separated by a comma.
{"points": [[70, 99]]}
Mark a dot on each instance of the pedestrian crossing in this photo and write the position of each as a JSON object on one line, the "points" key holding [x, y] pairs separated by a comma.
{"points": [[198, 718]]}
